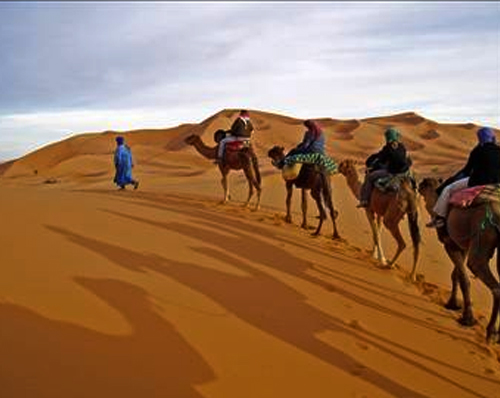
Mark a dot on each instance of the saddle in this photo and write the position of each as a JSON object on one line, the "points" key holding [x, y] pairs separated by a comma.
{"points": [[475, 196], [392, 183], [234, 146]]}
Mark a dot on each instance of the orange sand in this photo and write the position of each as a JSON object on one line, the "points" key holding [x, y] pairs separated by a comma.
{"points": [[162, 292]]}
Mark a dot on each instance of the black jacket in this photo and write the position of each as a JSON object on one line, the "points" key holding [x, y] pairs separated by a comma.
{"points": [[241, 129], [482, 168], [483, 165], [393, 159]]}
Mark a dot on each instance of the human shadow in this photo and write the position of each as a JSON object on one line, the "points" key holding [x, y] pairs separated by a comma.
{"points": [[264, 302], [49, 358]]}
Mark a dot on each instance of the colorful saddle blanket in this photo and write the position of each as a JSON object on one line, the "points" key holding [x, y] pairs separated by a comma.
{"points": [[318, 159], [392, 182], [475, 196]]}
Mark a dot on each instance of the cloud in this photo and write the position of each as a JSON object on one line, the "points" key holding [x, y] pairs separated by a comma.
{"points": [[95, 64]]}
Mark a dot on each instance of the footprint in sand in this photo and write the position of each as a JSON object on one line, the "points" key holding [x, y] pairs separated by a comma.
{"points": [[355, 324], [363, 346]]}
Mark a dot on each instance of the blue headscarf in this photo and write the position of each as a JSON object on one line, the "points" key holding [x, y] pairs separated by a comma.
{"points": [[119, 140], [485, 135]]}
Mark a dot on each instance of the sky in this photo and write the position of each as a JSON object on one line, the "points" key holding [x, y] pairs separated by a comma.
{"points": [[69, 67]]}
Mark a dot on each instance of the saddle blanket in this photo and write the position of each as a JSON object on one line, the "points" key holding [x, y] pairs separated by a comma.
{"points": [[476, 195], [317, 159], [392, 183]]}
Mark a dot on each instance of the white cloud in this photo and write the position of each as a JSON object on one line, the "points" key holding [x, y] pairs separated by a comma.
{"points": [[91, 67]]}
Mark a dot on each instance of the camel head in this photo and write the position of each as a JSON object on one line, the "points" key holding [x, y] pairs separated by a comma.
{"points": [[428, 186], [191, 139], [276, 153], [347, 167]]}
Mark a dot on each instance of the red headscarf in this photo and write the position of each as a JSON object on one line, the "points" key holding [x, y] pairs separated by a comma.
{"points": [[313, 127], [244, 114]]}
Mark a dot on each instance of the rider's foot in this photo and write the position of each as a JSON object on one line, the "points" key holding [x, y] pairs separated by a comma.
{"points": [[436, 222]]}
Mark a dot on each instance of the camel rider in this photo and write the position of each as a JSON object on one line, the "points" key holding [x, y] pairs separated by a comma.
{"points": [[391, 160], [241, 130], [482, 168], [313, 141]]}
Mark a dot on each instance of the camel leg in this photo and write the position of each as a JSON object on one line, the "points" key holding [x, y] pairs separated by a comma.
{"points": [[259, 192], [467, 318], [478, 260], [396, 233], [289, 194], [377, 251], [251, 181], [452, 303], [375, 227], [327, 195], [457, 256], [304, 209], [316, 194], [225, 187]]}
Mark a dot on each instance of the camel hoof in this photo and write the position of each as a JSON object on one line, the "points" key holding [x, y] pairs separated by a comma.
{"points": [[288, 220], [316, 233], [452, 305], [303, 226], [467, 321], [337, 237], [490, 336]]}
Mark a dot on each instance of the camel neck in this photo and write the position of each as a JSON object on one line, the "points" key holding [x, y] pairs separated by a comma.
{"points": [[354, 184], [204, 150]]}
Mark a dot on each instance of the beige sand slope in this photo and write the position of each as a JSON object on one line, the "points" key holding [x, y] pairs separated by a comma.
{"points": [[162, 292]]}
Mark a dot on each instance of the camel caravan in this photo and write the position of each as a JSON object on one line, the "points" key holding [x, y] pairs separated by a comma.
{"points": [[464, 209]]}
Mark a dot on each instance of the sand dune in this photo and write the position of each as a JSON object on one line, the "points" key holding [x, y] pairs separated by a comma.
{"points": [[164, 292]]}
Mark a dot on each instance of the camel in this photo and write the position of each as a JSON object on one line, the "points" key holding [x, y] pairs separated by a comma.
{"points": [[473, 233], [319, 185], [243, 159], [389, 208]]}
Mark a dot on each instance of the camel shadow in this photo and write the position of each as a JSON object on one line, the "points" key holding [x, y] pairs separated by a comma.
{"points": [[50, 358], [158, 202], [276, 258], [266, 303]]}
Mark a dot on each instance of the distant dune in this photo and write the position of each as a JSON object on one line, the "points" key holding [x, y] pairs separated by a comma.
{"points": [[86, 155]]}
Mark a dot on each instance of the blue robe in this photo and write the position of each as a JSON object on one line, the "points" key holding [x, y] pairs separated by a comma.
{"points": [[123, 166]]}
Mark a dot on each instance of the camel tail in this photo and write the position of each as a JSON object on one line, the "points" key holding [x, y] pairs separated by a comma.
{"points": [[414, 228]]}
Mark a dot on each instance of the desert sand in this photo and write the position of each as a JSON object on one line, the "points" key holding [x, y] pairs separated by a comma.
{"points": [[164, 292]]}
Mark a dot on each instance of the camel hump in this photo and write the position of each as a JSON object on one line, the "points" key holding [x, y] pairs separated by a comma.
{"points": [[475, 196]]}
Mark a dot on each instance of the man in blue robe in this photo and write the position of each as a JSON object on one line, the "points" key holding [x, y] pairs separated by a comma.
{"points": [[123, 165]]}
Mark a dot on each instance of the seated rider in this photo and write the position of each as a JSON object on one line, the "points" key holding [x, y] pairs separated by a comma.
{"points": [[391, 160], [313, 140], [241, 130], [482, 168]]}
